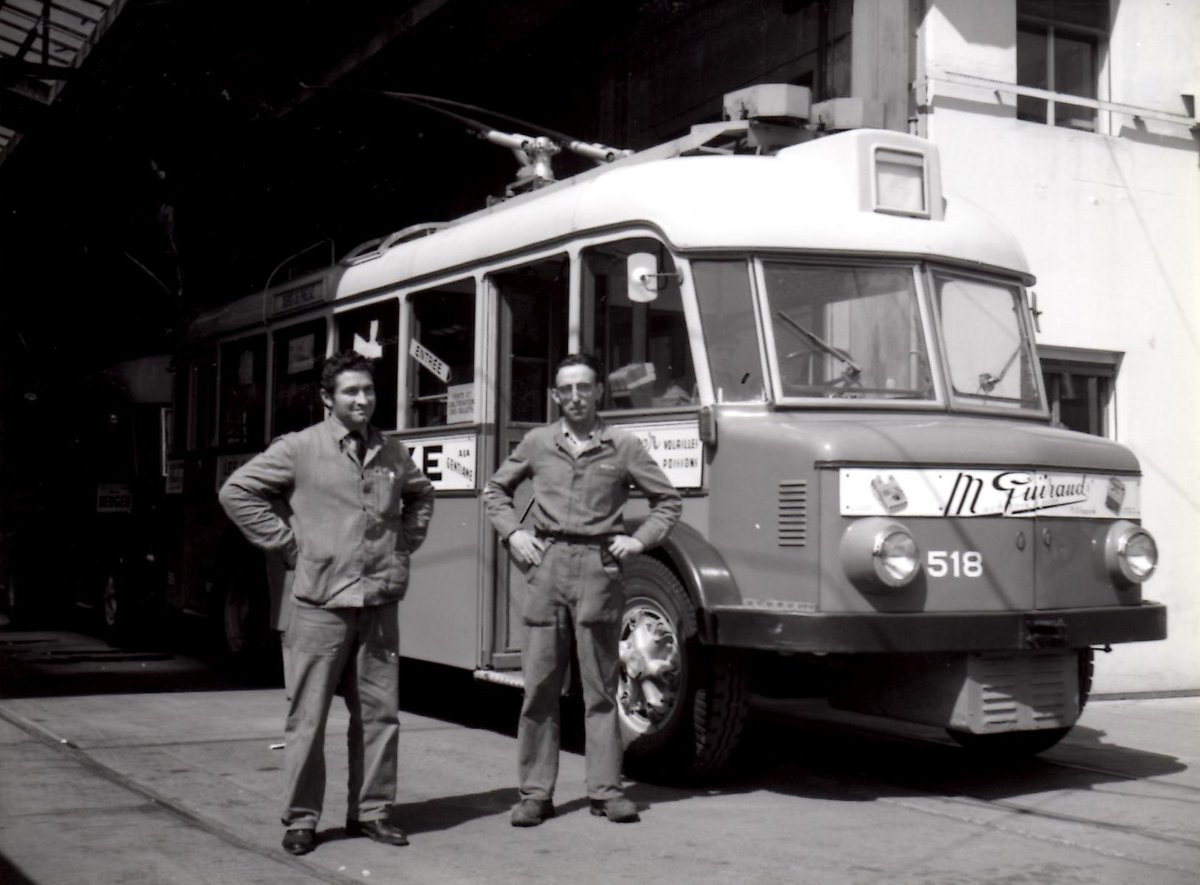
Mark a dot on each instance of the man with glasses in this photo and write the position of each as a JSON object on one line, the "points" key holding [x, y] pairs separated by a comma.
{"points": [[581, 470]]}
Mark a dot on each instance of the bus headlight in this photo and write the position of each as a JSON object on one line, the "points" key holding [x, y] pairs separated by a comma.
{"points": [[880, 554], [1130, 553]]}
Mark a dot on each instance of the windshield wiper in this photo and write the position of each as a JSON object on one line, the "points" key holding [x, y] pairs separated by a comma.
{"points": [[852, 370], [988, 381]]}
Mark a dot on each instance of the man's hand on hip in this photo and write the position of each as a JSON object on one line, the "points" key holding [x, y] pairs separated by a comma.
{"points": [[625, 545], [526, 546]]}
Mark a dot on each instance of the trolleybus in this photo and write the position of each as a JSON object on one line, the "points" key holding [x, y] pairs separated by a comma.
{"points": [[833, 360]]}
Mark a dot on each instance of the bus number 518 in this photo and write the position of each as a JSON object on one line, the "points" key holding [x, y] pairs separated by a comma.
{"points": [[954, 563]]}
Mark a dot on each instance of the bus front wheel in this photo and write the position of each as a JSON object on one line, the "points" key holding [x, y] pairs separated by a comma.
{"points": [[681, 705]]}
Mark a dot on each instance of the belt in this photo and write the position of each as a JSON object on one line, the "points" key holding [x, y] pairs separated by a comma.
{"points": [[568, 538]]}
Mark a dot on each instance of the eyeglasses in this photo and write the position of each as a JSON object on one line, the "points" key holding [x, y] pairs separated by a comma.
{"points": [[583, 389]]}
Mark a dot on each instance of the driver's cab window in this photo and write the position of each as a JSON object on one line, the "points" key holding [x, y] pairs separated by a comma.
{"points": [[638, 331], [441, 355]]}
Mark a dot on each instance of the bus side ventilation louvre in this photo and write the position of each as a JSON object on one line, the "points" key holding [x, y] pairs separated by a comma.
{"points": [[793, 513]]}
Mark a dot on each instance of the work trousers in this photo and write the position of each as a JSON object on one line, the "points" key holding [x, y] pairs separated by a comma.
{"points": [[358, 649], [576, 588]]}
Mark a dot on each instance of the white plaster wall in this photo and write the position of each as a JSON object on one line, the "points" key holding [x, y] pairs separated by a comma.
{"points": [[1111, 226]]}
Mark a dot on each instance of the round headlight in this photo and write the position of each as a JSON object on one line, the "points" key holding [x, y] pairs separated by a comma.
{"points": [[879, 555], [1139, 555], [896, 558], [1130, 553]]}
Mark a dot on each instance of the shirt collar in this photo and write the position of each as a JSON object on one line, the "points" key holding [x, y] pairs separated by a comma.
{"points": [[601, 432], [340, 431]]}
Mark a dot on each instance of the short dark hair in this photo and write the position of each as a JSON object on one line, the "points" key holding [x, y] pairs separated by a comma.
{"points": [[346, 361], [581, 359]]}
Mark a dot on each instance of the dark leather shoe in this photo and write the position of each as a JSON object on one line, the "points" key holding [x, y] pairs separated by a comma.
{"points": [[379, 830], [299, 841], [531, 812], [618, 809]]}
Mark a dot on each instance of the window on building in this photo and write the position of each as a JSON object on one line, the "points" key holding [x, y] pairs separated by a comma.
{"points": [[1079, 386], [1059, 47]]}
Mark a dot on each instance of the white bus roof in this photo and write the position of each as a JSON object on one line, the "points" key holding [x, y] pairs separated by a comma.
{"points": [[812, 197], [815, 197]]}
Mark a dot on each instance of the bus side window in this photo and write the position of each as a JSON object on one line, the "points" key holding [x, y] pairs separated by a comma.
{"points": [[243, 377], [533, 332], [442, 355], [374, 331], [299, 354], [196, 404], [644, 346]]}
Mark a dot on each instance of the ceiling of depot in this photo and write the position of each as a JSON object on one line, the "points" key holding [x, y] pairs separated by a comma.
{"points": [[158, 157]]}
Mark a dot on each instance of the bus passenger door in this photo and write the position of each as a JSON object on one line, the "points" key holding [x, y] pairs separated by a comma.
{"points": [[533, 339]]}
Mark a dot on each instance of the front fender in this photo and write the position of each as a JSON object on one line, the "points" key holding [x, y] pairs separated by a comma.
{"points": [[703, 572]]}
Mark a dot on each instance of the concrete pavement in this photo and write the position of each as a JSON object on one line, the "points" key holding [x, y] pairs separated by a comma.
{"points": [[182, 787]]}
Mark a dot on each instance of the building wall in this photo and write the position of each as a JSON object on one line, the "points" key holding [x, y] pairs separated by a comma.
{"points": [[1111, 226], [672, 69]]}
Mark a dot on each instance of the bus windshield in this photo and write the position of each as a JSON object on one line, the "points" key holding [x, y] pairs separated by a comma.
{"points": [[843, 331], [989, 353]]}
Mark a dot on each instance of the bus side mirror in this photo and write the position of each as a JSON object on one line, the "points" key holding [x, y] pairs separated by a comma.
{"points": [[643, 277]]}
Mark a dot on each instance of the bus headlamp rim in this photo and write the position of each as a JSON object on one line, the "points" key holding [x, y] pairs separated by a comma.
{"points": [[1116, 554], [879, 552], [864, 552]]}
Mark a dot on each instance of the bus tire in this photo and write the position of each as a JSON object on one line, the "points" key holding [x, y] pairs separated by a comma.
{"points": [[1015, 745], [681, 706]]}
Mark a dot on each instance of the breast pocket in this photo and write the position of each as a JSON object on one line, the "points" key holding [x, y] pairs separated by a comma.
{"points": [[383, 491], [604, 487]]}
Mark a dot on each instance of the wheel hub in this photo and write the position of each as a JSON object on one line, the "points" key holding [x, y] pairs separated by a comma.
{"points": [[650, 668]]}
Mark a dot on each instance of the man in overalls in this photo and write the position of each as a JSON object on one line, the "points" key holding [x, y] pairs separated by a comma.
{"points": [[581, 469]]}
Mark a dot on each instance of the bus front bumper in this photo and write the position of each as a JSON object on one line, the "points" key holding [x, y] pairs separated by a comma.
{"points": [[738, 627]]}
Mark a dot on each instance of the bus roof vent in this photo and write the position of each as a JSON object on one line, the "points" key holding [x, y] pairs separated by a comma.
{"points": [[777, 113], [779, 102], [840, 114]]}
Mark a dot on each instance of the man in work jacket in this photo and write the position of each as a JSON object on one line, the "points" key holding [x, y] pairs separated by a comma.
{"points": [[581, 469], [359, 506]]}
